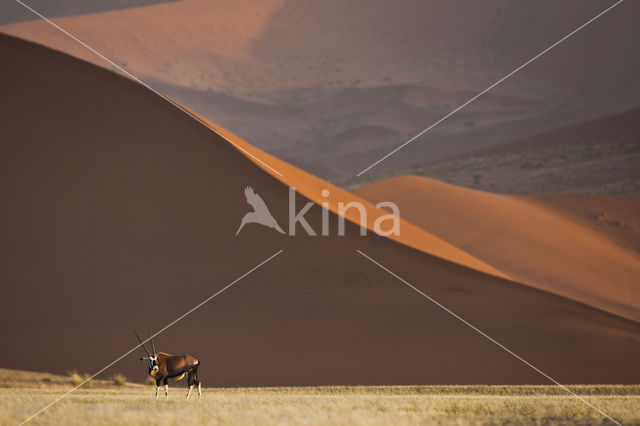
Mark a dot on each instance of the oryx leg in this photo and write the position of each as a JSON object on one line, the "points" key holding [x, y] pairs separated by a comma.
{"points": [[190, 382], [166, 388], [196, 381], [157, 386]]}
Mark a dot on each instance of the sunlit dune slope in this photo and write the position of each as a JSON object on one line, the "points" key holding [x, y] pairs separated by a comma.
{"points": [[525, 239], [120, 212], [616, 218], [160, 41], [311, 187]]}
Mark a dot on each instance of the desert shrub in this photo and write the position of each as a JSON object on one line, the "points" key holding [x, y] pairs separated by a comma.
{"points": [[76, 378], [119, 380]]}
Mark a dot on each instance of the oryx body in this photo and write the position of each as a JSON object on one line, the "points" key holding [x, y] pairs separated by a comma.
{"points": [[163, 366]]}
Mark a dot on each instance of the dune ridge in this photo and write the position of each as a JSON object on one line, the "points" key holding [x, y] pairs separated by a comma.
{"points": [[120, 212], [329, 71], [311, 187], [523, 237]]}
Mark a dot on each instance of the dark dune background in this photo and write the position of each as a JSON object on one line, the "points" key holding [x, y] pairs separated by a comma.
{"points": [[598, 156], [333, 86], [12, 11], [119, 212]]}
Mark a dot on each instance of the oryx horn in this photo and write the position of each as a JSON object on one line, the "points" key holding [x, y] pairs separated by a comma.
{"points": [[153, 347], [145, 348]]}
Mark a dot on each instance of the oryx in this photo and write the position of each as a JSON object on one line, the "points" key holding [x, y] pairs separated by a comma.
{"points": [[163, 366]]}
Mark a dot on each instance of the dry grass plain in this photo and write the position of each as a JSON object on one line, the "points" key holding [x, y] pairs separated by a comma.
{"points": [[384, 405]]}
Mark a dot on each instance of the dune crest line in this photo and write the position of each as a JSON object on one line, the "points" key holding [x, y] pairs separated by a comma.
{"points": [[139, 81], [312, 186]]}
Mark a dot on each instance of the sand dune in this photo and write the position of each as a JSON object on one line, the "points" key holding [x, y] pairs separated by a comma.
{"points": [[311, 187], [616, 218], [327, 131], [616, 127], [12, 11], [120, 212], [597, 156], [526, 239], [150, 44], [326, 70]]}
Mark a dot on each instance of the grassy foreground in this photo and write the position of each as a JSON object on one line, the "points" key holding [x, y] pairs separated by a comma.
{"points": [[325, 405]]}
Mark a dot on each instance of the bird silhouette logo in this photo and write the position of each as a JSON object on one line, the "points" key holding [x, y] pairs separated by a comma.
{"points": [[260, 213]]}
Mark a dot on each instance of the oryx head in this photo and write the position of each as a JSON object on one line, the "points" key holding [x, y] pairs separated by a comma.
{"points": [[152, 357]]}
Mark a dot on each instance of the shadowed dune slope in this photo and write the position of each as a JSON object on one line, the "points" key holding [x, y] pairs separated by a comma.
{"points": [[120, 212], [524, 238], [312, 187]]}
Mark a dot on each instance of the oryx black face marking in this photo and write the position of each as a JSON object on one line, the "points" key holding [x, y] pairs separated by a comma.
{"points": [[163, 366], [152, 362]]}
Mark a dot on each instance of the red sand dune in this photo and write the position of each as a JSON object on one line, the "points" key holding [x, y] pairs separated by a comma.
{"points": [[311, 187], [11, 12], [120, 212], [617, 218], [608, 129], [157, 41], [349, 81], [524, 238]]}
